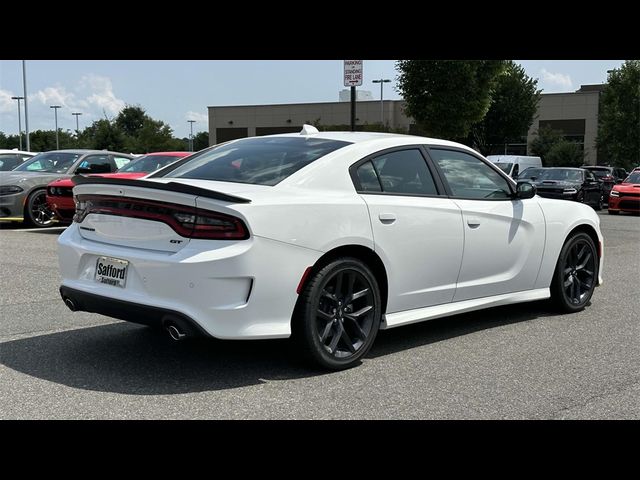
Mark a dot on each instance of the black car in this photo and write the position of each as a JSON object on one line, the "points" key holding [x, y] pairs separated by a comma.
{"points": [[609, 176], [575, 184]]}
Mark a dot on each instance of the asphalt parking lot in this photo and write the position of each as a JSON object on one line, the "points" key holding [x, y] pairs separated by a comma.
{"points": [[516, 362]]}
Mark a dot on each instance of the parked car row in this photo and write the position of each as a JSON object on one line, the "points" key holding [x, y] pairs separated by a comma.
{"points": [[593, 185], [23, 189]]}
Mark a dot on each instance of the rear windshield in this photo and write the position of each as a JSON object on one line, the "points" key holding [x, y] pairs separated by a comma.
{"points": [[256, 160], [49, 162], [148, 163]]}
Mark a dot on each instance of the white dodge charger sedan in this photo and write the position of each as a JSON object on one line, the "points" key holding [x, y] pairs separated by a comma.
{"points": [[326, 237]]}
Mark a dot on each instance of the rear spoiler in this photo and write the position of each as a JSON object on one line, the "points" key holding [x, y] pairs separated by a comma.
{"points": [[171, 187]]}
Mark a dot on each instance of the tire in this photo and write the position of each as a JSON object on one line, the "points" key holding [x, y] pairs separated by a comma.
{"points": [[576, 273], [614, 212], [36, 211], [598, 206], [329, 329]]}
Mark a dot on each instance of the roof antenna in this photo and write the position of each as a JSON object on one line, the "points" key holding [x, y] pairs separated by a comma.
{"points": [[308, 130]]}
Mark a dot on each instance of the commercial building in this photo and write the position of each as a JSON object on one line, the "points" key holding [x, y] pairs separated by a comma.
{"points": [[575, 114]]}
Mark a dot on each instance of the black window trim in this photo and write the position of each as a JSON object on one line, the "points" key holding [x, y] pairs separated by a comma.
{"points": [[369, 158], [447, 188]]}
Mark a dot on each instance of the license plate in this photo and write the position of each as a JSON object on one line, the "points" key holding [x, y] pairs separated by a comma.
{"points": [[111, 271]]}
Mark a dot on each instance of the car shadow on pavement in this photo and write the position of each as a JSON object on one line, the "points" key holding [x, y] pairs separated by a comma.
{"points": [[131, 359]]}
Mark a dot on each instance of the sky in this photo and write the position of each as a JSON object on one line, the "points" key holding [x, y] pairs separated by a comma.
{"points": [[179, 90]]}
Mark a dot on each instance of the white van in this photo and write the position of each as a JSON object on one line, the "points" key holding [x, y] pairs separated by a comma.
{"points": [[512, 165]]}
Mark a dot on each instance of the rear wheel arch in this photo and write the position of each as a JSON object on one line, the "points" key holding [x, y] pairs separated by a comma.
{"points": [[366, 255]]}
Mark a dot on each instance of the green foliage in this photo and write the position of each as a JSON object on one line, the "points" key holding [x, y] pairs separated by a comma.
{"points": [[447, 97], [554, 150], [103, 134], [131, 119], [565, 154], [546, 137], [200, 141], [514, 102], [618, 138], [43, 140]]}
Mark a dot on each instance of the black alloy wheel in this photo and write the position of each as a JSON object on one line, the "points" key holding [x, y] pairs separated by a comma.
{"points": [[576, 273], [338, 315], [37, 212]]}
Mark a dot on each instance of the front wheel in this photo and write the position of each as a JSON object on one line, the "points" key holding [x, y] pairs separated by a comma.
{"points": [[576, 273], [37, 213], [338, 314]]}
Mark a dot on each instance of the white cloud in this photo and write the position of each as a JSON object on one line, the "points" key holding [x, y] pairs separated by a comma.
{"points": [[561, 80], [92, 95], [6, 104], [102, 93], [202, 119]]}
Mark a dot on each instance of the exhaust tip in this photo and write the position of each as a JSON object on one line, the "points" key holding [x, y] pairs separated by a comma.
{"points": [[175, 333], [69, 303]]}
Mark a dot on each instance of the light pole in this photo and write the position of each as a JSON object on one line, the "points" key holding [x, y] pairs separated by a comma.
{"points": [[191, 122], [382, 81], [19, 121], [26, 108], [55, 110], [77, 114]]}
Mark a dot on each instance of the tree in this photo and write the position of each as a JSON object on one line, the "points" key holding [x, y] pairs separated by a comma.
{"points": [[103, 134], [200, 141], [446, 97], [154, 136], [514, 102], [545, 139], [618, 137], [131, 119], [565, 154]]}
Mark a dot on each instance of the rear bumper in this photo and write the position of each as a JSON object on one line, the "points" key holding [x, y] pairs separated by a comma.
{"points": [[231, 289], [129, 311]]}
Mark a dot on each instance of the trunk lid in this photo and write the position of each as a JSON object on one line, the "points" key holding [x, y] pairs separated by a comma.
{"points": [[140, 213]]}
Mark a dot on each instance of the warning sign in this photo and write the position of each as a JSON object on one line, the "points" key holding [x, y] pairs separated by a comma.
{"points": [[352, 73]]}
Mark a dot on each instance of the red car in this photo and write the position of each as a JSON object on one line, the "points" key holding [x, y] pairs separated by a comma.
{"points": [[60, 192], [625, 197]]}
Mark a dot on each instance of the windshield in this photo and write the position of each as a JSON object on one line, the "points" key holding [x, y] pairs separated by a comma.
{"points": [[633, 178], [530, 173], [561, 174], [148, 163], [49, 162], [505, 167], [256, 160]]}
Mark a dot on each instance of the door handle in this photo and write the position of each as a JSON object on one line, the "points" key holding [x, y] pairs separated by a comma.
{"points": [[473, 222], [387, 218]]}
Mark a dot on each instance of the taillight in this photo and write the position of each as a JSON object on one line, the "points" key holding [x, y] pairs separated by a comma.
{"points": [[189, 222], [212, 225]]}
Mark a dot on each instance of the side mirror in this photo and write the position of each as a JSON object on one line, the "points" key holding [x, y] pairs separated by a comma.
{"points": [[81, 170], [525, 190]]}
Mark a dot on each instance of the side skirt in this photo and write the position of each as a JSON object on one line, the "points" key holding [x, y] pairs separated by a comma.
{"points": [[407, 317]]}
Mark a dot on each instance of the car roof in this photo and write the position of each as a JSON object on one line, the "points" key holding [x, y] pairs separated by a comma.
{"points": [[170, 154], [3, 150], [81, 151], [364, 137]]}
